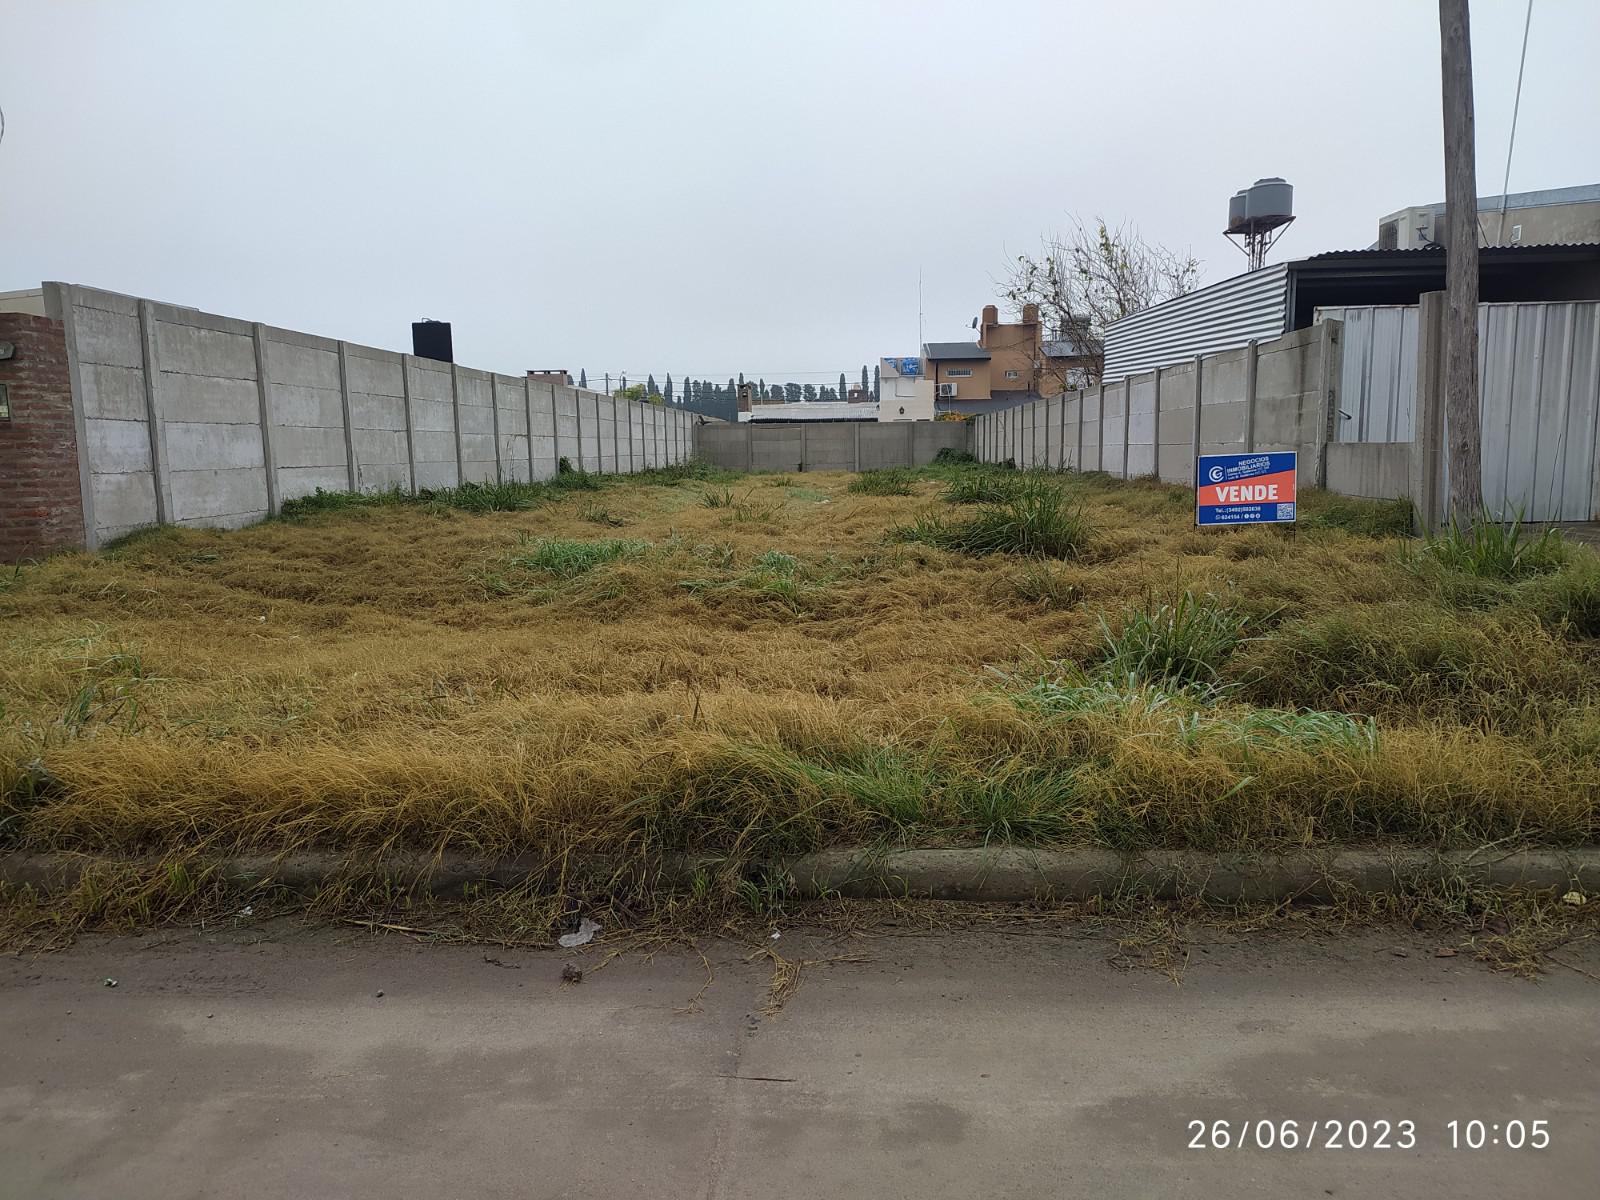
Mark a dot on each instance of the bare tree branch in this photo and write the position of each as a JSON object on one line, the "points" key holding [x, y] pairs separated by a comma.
{"points": [[1084, 279]]}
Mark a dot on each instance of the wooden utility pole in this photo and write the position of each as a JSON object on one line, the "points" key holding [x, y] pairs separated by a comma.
{"points": [[1460, 265]]}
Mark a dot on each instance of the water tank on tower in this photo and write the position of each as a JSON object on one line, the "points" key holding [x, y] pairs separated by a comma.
{"points": [[1257, 216]]}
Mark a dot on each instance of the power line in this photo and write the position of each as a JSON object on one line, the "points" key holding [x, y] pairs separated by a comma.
{"points": [[1516, 107]]}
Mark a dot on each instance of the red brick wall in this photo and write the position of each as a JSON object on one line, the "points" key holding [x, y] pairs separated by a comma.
{"points": [[41, 501]]}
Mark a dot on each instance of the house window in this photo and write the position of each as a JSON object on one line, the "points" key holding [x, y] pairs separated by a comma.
{"points": [[1516, 233], [1013, 375], [959, 373]]}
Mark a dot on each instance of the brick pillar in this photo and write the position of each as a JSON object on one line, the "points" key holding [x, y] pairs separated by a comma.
{"points": [[41, 498]]}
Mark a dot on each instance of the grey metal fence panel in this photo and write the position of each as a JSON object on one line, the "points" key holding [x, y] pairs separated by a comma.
{"points": [[1379, 355], [1539, 373]]}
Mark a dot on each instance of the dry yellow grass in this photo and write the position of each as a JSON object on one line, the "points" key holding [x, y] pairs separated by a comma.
{"points": [[399, 675]]}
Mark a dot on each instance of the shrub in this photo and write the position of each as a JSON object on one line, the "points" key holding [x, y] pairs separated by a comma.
{"points": [[1183, 643], [717, 497], [948, 457], [895, 481]]}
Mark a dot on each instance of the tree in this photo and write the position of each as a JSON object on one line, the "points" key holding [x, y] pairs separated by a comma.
{"points": [[1460, 267], [842, 388], [667, 391], [810, 392], [741, 378], [635, 392], [583, 378], [876, 381], [864, 384], [650, 388], [761, 388], [792, 393], [1084, 279]]}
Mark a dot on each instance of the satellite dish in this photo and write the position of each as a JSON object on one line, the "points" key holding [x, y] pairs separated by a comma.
{"points": [[974, 322]]}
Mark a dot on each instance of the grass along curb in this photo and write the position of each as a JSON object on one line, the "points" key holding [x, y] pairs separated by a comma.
{"points": [[994, 874]]}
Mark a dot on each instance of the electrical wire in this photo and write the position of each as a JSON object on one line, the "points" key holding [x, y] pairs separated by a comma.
{"points": [[1511, 142]]}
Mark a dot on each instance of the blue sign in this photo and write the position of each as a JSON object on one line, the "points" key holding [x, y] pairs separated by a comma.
{"points": [[904, 366], [1245, 489]]}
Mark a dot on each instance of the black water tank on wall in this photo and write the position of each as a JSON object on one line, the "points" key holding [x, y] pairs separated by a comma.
{"points": [[431, 339]]}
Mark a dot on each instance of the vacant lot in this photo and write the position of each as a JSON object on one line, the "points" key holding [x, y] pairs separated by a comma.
{"points": [[740, 665]]}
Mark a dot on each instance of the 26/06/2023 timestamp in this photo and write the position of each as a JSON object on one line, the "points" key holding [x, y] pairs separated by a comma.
{"points": [[1332, 1133]]}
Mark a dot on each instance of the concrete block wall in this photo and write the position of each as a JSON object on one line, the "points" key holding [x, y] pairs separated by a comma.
{"points": [[830, 446], [1277, 395], [192, 418], [41, 506]]}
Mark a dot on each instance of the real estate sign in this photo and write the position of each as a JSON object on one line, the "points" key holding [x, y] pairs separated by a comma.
{"points": [[1245, 489]]}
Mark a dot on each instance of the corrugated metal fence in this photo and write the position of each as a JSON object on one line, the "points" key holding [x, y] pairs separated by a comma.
{"points": [[1539, 366]]}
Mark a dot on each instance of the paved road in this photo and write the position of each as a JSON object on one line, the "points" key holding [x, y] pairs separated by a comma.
{"points": [[961, 1065]]}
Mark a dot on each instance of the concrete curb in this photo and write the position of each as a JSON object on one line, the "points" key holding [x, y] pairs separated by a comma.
{"points": [[994, 874]]}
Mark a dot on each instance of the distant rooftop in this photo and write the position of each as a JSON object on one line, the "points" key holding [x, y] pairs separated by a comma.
{"points": [[939, 351], [1584, 193]]}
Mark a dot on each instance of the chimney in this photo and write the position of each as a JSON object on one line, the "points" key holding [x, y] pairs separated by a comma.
{"points": [[991, 318], [1030, 314], [431, 339], [744, 397]]}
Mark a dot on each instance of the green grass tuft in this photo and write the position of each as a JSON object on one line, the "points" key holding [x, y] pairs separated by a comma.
{"points": [[894, 481], [1184, 643], [1492, 550], [1037, 519]]}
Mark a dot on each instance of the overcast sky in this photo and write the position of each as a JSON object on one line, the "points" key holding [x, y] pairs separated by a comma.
{"points": [[704, 188]]}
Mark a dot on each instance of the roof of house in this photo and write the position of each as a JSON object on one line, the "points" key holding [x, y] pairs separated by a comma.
{"points": [[939, 351], [1075, 347]]}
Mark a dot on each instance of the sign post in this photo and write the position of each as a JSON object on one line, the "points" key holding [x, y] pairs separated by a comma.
{"points": [[1246, 489]]}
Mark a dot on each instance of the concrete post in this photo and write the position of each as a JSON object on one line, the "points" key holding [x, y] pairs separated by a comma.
{"points": [[911, 443], [159, 478], [1061, 433], [1427, 439], [344, 405], [268, 457], [858, 445], [1155, 425], [555, 428], [1100, 442], [1328, 393], [803, 445], [616, 436], [629, 410], [1077, 455], [58, 304], [1127, 420], [411, 429], [1251, 360], [1194, 446], [455, 416], [527, 420], [577, 412], [494, 415]]}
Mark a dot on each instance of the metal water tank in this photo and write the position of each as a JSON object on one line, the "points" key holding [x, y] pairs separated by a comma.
{"points": [[1236, 206], [1269, 201]]}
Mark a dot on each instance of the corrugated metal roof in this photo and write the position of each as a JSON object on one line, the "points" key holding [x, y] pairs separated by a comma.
{"points": [[1215, 318], [1574, 249], [937, 351]]}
